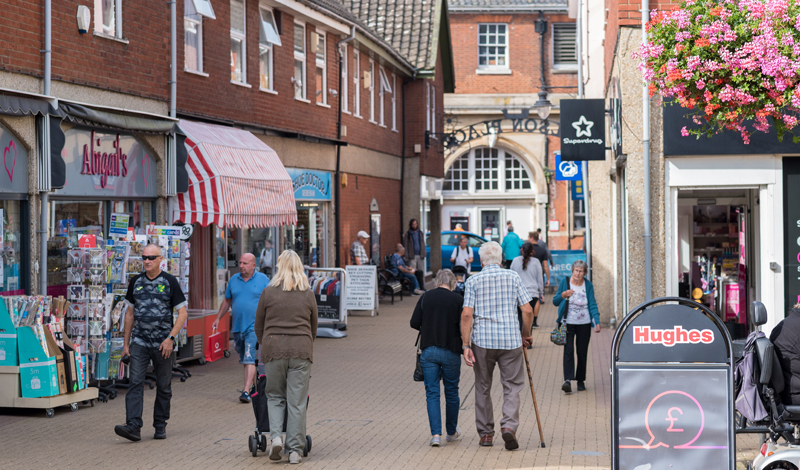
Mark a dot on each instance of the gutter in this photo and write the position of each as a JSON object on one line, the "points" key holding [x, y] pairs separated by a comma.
{"points": [[507, 9]]}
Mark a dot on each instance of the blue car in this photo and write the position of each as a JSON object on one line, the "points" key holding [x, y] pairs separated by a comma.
{"points": [[450, 240]]}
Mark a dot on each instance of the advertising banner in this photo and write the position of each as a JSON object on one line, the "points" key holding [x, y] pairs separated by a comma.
{"points": [[562, 263]]}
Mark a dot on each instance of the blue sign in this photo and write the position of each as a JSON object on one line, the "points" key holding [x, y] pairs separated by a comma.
{"points": [[562, 264], [310, 185], [577, 190], [568, 171]]}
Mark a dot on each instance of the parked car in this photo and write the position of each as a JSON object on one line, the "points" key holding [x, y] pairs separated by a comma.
{"points": [[450, 240]]}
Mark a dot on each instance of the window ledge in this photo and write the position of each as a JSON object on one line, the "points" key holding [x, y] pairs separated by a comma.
{"points": [[555, 71], [324, 105], [373, 122], [395, 130], [303, 100], [266, 90], [382, 125], [195, 72], [242, 84], [358, 116], [493, 72], [346, 111], [112, 38]]}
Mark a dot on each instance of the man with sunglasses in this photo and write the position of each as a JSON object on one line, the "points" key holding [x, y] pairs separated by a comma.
{"points": [[150, 336]]}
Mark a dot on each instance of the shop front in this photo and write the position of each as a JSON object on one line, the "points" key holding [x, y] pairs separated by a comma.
{"points": [[312, 195], [14, 214]]}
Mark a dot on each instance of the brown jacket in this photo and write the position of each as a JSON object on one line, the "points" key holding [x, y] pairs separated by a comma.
{"points": [[408, 244], [286, 323]]}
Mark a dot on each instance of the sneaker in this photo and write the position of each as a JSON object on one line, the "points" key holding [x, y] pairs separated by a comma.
{"points": [[161, 433], [454, 437], [567, 388], [294, 457], [275, 449], [418, 291], [581, 386], [244, 397], [435, 441], [129, 432]]}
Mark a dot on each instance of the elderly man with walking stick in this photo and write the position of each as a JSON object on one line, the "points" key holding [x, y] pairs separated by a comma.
{"points": [[490, 333]]}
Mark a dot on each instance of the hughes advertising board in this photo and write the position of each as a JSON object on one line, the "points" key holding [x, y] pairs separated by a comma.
{"points": [[672, 389]]}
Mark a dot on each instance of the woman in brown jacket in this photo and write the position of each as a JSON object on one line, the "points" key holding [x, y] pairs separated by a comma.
{"points": [[286, 327]]}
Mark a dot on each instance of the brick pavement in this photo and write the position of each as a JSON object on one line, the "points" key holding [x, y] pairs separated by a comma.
{"points": [[365, 413]]}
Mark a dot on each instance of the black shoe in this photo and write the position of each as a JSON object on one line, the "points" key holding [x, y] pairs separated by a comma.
{"points": [[567, 388], [129, 432], [161, 433], [535, 325], [581, 386]]}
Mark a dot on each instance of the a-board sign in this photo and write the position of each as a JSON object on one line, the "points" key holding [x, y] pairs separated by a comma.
{"points": [[672, 400], [361, 286], [329, 286]]}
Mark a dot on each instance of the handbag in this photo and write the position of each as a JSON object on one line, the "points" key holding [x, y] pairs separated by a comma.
{"points": [[559, 335], [418, 375]]}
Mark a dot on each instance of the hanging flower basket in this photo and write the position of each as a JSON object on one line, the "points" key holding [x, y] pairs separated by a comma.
{"points": [[734, 64]]}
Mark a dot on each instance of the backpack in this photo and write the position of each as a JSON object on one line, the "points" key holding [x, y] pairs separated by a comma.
{"points": [[746, 382]]}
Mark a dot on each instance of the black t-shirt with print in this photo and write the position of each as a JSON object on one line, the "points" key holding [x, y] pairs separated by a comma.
{"points": [[153, 301]]}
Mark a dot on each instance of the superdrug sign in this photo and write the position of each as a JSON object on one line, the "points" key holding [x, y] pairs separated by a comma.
{"points": [[105, 164]]}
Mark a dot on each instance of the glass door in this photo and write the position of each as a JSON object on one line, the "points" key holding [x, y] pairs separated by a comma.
{"points": [[490, 224]]}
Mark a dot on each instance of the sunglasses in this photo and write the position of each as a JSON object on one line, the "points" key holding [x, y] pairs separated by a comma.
{"points": [[150, 258]]}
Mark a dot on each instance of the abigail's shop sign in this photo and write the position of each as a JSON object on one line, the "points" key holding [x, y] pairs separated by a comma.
{"points": [[107, 164]]}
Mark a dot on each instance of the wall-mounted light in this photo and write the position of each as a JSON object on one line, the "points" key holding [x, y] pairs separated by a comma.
{"points": [[492, 137]]}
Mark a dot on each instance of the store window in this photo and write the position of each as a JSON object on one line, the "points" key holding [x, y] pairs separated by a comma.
{"points": [[307, 238], [262, 242], [238, 42], [494, 169], [299, 78], [11, 248], [492, 46]]}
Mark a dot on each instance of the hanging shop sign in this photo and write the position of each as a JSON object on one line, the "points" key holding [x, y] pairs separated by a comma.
{"points": [[577, 190], [583, 130], [14, 174], [310, 185], [568, 170], [672, 388], [106, 164]]}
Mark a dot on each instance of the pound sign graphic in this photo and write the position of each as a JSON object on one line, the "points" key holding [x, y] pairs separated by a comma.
{"points": [[672, 420]]}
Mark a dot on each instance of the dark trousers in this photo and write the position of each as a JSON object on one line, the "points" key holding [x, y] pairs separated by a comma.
{"points": [[420, 275], [134, 399], [578, 337], [532, 303]]}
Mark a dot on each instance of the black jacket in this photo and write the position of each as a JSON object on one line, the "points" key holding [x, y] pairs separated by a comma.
{"points": [[786, 338], [438, 318]]}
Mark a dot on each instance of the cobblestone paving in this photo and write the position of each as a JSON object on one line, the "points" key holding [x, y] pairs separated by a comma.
{"points": [[365, 412]]}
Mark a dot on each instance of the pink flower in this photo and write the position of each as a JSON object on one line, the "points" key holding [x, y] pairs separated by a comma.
{"points": [[684, 132], [700, 84]]}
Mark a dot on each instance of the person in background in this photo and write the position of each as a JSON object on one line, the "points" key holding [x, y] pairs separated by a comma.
{"points": [[543, 244], [414, 243], [458, 228], [437, 316], [491, 335], [511, 246], [150, 336], [786, 338], [530, 271], [578, 308], [463, 255], [508, 225], [265, 258], [244, 290], [286, 327], [542, 255], [399, 268], [358, 255]]}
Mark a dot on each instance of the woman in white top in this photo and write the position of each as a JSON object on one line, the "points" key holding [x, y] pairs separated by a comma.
{"points": [[463, 255], [530, 271]]}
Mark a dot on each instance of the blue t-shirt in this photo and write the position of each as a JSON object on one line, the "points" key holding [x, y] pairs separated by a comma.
{"points": [[245, 297], [397, 260], [415, 238]]}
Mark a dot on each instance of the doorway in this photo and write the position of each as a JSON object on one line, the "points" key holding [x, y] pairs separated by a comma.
{"points": [[491, 224]]}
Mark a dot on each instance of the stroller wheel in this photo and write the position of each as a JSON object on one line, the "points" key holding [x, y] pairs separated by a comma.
{"points": [[263, 445], [307, 448], [251, 443]]}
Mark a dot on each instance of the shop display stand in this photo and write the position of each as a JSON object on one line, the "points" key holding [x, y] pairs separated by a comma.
{"points": [[11, 395]]}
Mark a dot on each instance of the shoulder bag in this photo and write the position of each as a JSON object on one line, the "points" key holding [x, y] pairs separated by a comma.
{"points": [[418, 375], [559, 335]]}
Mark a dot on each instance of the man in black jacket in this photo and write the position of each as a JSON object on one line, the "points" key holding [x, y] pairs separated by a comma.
{"points": [[786, 338]]}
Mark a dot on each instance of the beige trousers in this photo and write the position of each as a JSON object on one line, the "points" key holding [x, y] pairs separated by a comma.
{"points": [[512, 376]]}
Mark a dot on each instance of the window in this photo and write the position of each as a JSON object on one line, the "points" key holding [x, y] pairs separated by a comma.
{"points": [[267, 37], [321, 76], [492, 46], [457, 177], [565, 51], [578, 213], [108, 18], [299, 78], [345, 76], [394, 103], [433, 110], [385, 88], [370, 82], [516, 174], [357, 83], [192, 38], [238, 43], [486, 163], [428, 106]]}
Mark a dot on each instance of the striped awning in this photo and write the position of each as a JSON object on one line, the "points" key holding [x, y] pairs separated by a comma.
{"points": [[234, 179]]}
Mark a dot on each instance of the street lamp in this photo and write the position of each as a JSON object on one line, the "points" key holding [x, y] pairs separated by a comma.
{"points": [[543, 105]]}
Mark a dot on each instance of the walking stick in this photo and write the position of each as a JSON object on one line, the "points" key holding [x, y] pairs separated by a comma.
{"points": [[533, 394]]}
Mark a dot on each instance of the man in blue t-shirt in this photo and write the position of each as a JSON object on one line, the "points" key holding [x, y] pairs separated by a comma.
{"points": [[399, 268], [244, 290]]}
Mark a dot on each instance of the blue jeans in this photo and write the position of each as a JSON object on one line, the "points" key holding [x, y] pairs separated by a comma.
{"points": [[438, 362], [411, 278], [245, 343]]}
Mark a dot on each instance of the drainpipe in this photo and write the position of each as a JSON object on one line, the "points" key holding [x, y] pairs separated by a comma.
{"points": [[587, 237], [338, 181], [403, 155], [45, 196], [648, 262], [173, 57]]}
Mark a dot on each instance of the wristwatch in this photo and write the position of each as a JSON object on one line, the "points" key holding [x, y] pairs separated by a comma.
{"points": [[172, 338], [465, 346]]}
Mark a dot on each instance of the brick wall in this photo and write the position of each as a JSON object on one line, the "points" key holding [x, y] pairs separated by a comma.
{"points": [[431, 160], [355, 214], [523, 52]]}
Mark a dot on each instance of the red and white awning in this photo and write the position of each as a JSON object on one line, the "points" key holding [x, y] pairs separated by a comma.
{"points": [[234, 179]]}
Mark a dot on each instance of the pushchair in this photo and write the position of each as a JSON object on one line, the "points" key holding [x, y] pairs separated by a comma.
{"points": [[258, 440], [461, 277]]}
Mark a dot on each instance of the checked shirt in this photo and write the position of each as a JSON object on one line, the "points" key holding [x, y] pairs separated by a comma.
{"points": [[494, 294]]}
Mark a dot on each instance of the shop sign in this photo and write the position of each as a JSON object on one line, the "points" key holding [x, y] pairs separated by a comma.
{"points": [[119, 224], [568, 170], [106, 164], [577, 190], [310, 185], [14, 174], [181, 232], [583, 130], [672, 388], [495, 126]]}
